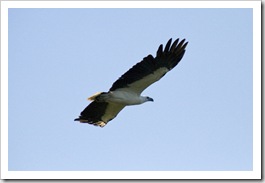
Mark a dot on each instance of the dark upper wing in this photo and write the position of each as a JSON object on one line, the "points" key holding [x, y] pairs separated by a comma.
{"points": [[151, 69], [99, 113]]}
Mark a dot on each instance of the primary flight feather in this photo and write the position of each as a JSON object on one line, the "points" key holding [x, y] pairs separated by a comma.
{"points": [[128, 88]]}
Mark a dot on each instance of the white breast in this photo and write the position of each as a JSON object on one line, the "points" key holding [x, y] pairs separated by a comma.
{"points": [[124, 97]]}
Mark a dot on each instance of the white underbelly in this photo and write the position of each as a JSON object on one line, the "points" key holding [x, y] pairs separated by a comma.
{"points": [[125, 98]]}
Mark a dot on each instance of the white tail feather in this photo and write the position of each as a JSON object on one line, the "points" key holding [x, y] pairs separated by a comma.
{"points": [[93, 97]]}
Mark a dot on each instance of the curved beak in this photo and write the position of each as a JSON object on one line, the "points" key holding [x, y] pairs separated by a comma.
{"points": [[150, 99]]}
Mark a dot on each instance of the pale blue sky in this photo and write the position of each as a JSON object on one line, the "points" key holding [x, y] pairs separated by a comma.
{"points": [[202, 115]]}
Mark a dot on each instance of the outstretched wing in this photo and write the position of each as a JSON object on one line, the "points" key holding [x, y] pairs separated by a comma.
{"points": [[151, 69], [99, 113]]}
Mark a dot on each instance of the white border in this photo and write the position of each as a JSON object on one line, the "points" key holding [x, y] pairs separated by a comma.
{"points": [[255, 174], [132, 175], [131, 4]]}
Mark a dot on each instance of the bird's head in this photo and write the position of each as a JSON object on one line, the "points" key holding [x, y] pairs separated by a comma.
{"points": [[147, 99]]}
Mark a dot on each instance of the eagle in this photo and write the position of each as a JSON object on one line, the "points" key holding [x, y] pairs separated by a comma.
{"points": [[127, 90]]}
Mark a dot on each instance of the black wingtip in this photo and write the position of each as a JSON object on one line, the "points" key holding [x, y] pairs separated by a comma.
{"points": [[172, 53], [185, 45], [181, 46], [174, 45], [160, 50], [168, 45]]}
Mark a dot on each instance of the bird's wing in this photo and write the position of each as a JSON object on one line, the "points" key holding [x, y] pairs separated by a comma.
{"points": [[99, 113], [151, 69]]}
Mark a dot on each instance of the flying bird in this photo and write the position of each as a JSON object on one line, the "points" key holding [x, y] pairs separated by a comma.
{"points": [[127, 90]]}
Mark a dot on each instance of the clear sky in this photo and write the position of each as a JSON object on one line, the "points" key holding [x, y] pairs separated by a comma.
{"points": [[202, 115]]}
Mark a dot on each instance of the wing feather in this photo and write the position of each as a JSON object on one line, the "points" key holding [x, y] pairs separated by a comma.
{"points": [[174, 45], [159, 51], [151, 69], [99, 113], [168, 45]]}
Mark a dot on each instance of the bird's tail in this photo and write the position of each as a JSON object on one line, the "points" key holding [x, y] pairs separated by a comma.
{"points": [[93, 97], [99, 97]]}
